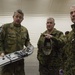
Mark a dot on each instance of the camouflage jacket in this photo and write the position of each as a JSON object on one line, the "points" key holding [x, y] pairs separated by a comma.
{"points": [[13, 38], [54, 58], [69, 50]]}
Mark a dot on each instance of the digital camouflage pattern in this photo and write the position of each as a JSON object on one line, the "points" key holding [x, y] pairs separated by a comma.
{"points": [[13, 38], [50, 64], [69, 48]]}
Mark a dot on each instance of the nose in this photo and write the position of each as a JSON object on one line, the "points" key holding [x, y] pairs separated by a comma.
{"points": [[49, 24], [73, 14], [18, 18]]}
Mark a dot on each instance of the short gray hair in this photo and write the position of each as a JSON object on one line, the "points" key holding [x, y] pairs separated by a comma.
{"points": [[19, 11], [73, 6], [50, 18]]}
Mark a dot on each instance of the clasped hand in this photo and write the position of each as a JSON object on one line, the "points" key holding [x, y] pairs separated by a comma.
{"points": [[48, 36]]}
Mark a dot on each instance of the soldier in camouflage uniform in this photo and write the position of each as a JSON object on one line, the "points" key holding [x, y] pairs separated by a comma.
{"points": [[69, 48], [49, 52], [13, 37]]}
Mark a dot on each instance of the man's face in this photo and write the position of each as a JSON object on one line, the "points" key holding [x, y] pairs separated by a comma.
{"points": [[17, 18], [50, 24], [72, 14]]}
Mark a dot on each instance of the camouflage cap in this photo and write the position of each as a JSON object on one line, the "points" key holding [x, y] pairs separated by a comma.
{"points": [[47, 48]]}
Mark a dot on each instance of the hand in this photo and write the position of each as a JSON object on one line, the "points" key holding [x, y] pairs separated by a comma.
{"points": [[48, 36], [2, 55]]}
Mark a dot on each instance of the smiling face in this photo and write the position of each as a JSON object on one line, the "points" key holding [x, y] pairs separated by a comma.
{"points": [[50, 24], [72, 14]]}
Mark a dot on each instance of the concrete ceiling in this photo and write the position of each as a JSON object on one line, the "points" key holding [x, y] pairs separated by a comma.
{"points": [[7, 7]]}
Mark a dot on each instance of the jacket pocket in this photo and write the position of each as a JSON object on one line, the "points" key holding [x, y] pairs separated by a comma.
{"points": [[11, 39]]}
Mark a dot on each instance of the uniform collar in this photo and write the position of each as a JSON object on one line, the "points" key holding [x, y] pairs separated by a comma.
{"points": [[73, 26], [16, 25], [52, 33]]}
